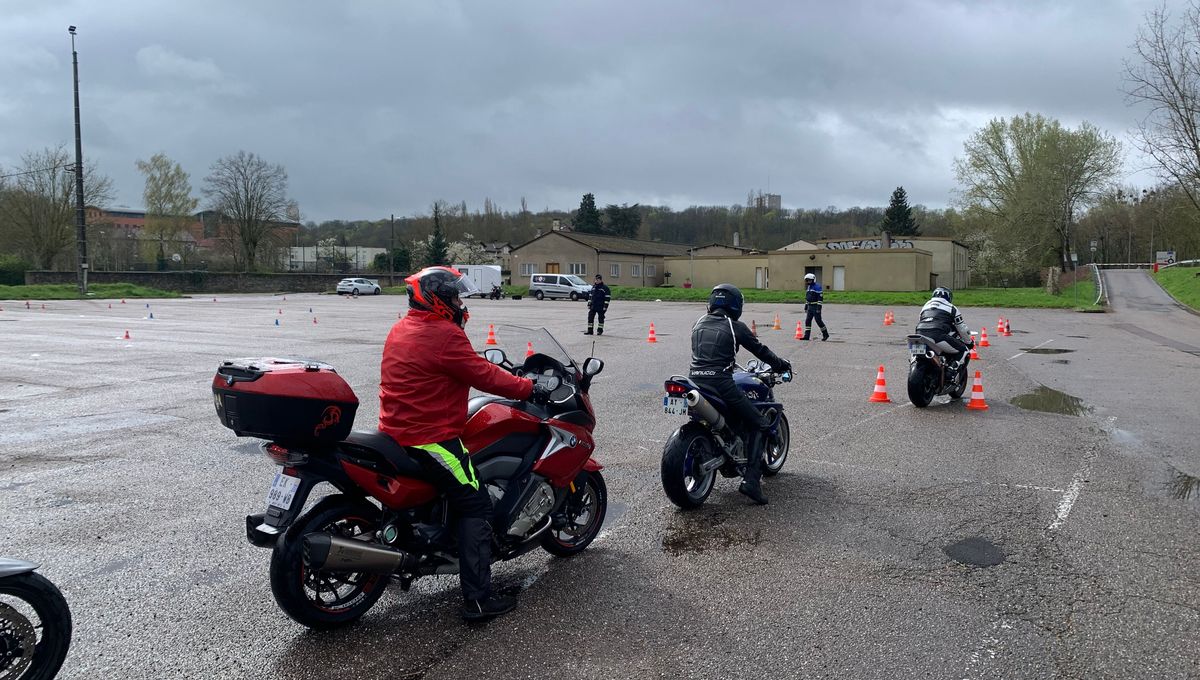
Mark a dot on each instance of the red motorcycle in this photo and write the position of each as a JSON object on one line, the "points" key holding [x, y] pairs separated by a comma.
{"points": [[331, 563]]}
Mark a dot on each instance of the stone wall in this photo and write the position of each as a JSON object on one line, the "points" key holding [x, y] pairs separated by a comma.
{"points": [[208, 282]]}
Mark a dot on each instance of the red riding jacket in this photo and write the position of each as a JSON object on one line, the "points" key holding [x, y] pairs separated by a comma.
{"points": [[427, 371]]}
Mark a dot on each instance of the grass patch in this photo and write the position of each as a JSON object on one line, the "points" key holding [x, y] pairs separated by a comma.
{"points": [[1183, 283], [66, 291]]}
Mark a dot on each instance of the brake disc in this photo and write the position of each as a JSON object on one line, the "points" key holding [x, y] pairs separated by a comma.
{"points": [[18, 641]]}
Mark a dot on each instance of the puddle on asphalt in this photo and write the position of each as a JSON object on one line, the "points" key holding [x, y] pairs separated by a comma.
{"points": [[1045, 350], [1051, 401], [698, 532], [975, 551], [1060, 361]]}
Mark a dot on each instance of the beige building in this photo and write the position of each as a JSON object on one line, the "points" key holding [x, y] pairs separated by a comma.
{"points": [[950, 262], [621, 261], [896, 269]]}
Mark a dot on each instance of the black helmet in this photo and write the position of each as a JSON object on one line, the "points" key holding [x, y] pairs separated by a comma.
{"points": [[440, 290], [726, 296], [943, 293]]}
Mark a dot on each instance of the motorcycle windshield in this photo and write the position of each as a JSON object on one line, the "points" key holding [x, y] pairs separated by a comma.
{"points": [[516, 341]]}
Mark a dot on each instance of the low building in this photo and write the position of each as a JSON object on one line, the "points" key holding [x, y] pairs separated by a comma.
{"points": [[621, 261], [893, 270], [950, 261]]}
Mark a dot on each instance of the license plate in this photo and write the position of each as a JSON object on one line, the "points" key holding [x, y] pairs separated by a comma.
{"points": [[917, 349], [676, 406], [283, 490]]}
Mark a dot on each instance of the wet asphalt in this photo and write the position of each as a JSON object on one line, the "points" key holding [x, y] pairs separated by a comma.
{"points": [[1053, 535]]}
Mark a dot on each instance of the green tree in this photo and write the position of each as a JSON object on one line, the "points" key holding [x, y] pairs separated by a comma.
{"points": [[587, 218], [438, 250], [251, 196], [622, 220], [168, 199], [1031, 175], [898, 218]]}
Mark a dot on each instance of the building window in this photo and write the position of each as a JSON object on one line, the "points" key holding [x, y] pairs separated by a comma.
{"points": [[526, 269], [651, 270], [635, 270], [614, 271], [578, 268]]}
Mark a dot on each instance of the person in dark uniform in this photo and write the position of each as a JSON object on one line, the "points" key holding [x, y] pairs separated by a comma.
{"points": [[598, 305], [716, 339], [814, 296]]}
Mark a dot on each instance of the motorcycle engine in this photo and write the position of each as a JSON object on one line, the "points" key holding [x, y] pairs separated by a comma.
{"points": [[540, 504]]}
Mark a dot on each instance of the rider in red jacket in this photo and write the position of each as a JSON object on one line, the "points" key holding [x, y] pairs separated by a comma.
{"points": [[427, 371]]}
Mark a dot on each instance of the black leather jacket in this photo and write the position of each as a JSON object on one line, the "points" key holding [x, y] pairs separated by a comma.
{"points": [[599, 298], [716, 339]]}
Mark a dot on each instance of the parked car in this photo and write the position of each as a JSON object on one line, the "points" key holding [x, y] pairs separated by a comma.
{"points": [[358, 287], [559, 285]]}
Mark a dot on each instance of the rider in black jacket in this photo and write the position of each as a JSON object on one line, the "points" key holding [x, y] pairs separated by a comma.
{"points": [[716, 338], [598, 301]]}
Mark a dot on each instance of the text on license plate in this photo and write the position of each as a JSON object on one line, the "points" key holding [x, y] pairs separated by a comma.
{"points": [[283, 490], [676, 406], [916, 348]]}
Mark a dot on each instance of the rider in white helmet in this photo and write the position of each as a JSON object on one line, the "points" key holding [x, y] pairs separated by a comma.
{"points": [[814, 295]]}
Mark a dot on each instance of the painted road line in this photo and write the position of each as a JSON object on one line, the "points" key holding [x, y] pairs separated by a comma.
{"points": [[1073, 490], [1027, 351]]}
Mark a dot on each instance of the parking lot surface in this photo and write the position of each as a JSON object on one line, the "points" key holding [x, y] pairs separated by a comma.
{"points": [[1049, 537]]}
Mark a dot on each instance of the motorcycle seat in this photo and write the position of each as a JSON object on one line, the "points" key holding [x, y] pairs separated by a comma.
{"points": [[388, 448]]}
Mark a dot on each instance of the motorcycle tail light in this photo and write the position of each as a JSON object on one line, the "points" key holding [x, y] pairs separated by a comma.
{"points": [[281, 455], [675, 388]]}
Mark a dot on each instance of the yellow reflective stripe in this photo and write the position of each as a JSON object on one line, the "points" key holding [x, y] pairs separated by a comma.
{"points": [[451, 461]]}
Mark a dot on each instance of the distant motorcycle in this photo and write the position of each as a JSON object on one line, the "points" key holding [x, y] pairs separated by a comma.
{"points": [[496, 294], [930, 372], [706, 445], [35, 623]]}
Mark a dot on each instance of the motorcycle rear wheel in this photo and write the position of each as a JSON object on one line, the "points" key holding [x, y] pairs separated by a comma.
{"points": [[50, 634], [920, 385], [776, 453], [322, 600], [683, 455], [584, 521]]}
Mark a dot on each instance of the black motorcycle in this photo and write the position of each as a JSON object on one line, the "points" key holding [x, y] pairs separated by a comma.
{"points": [[496, 294], [35, 623], [931, 373], [706, 444]]}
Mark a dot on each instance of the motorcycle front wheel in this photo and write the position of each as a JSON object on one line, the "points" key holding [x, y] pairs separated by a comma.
{"points": [[585, 517], [323, 599], [921, 387], [682, 477], [35, 628]]}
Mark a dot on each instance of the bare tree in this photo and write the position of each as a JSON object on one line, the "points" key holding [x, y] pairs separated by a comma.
{"points": [[1166, 77], [251, 196], [168, 197], [37, 204]]}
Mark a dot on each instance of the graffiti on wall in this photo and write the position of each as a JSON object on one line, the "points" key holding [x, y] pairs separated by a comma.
{"points": [[866, 244]]}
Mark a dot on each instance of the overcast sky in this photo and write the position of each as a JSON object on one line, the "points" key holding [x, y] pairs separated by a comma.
{"points": [[382, 107]]}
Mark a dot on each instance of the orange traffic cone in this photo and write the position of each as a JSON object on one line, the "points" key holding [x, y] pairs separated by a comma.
{"points": [[528, 349], [977, 403], [880, 394], [778, 326], [887, 318], [491, 335], [652, 337], [983, 338], [126, 334], [753, 328], [110, 305], [1007, 329], [799, 330], [999, 324], [122, 300], [974, 354]]}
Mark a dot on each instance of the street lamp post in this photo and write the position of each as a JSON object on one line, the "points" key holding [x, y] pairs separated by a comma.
{"points": [[80, 224]]}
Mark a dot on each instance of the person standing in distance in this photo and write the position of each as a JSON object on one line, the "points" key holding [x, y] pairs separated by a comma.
{"points": [[598, 305], [814, 296]]}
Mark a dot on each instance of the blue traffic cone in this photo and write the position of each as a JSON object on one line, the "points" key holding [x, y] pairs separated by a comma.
{"points": [[152, 315], [147, 305], [276, 322]]}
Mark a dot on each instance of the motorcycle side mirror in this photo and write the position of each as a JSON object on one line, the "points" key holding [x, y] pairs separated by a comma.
{"points": [[592, 366], [752, 366], [495, 356]]}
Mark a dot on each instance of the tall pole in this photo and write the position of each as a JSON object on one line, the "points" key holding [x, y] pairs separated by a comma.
{"points": [[392, 256], [80, 224]]}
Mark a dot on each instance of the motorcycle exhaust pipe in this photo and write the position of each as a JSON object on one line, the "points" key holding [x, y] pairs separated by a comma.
{"points": [[707, 412], [335, 553]]}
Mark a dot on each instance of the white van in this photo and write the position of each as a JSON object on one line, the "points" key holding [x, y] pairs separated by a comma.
{"points": [[559, 285]]}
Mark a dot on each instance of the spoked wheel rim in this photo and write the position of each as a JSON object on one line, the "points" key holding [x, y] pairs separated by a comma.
{"points": [[776, 454], [697, 487], [583, 520], [334, 591], [19, 636]]}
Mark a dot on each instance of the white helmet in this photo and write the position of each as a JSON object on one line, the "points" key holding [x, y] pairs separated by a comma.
{"points": [[810, 277]]}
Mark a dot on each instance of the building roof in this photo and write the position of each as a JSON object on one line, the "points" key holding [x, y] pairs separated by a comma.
{"points": [[616, 244], [744, 249]]}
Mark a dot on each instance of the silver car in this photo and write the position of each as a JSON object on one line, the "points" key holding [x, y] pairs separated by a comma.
{"points": [[358, 287], [543, 286]]}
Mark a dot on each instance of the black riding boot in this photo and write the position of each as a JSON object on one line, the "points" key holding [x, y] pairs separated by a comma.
{"points": [[751, 485], [480, 603], [824, 334]]}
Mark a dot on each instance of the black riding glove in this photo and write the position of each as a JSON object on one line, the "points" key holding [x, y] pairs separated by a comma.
{"points": [[540, 394], [784, 366]]}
